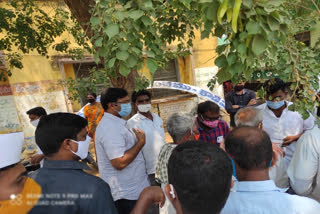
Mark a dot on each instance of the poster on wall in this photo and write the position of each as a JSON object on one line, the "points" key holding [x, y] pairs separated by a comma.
{"points": [[9, 120]]}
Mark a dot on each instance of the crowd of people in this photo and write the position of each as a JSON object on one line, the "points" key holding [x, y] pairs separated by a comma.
{"points": [[266, 162]]}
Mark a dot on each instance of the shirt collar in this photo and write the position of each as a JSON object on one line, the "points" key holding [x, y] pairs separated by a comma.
{"points": [[63, 164], [115, 118], [256, 186], [141, 116]]}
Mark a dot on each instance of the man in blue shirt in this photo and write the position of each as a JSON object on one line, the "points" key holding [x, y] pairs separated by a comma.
{"points": [[250, 150], [66, 188]]}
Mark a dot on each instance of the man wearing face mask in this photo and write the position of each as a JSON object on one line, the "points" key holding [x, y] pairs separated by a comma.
{"points": [[121, 164], [211, 127], [283, 126], [34, 115], [14, 184], [152, 125], [238, 98], [93, 113], [66, 188]]}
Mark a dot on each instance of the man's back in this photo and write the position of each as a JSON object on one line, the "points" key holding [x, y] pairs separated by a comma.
{"points": [[263, 197], [304, 170], [66, 188]]}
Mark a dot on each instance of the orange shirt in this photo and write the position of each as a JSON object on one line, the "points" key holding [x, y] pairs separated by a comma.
{"points": [[93, 113], [24, 201]]}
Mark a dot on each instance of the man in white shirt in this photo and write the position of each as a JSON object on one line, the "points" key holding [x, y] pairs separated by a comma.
{"points": [[121, 164], [283, 126], [250, 151], [34, 115], [152, 125], [304, 169]]}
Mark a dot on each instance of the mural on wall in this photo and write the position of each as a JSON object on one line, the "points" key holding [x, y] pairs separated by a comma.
{"points": [[9, 120], [42, 93]]}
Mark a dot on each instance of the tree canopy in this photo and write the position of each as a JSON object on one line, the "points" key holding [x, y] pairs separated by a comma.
{"points": [[127, 33]]}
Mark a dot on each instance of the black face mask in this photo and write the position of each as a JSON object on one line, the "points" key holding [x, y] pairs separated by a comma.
{"points": [[91, 100], [238, 87]]}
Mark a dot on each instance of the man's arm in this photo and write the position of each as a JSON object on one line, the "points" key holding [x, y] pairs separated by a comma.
{"points": [[304, 165], [150, 195], [230, 107], [122, 162]]}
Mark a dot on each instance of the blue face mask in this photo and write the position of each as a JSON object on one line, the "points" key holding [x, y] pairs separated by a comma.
{"points": [[275, 105], [125, 110]]}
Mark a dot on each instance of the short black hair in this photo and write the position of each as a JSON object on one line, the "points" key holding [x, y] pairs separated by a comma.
{"points": [[53, 129], [208, 106], [92, 94], [272, 86], [201, 175], [250, 147], [39, 111], [139, 93], [111, 95]]}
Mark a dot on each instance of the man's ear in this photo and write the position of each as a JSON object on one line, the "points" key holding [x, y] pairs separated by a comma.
{"points": [[67, 145], [260, 126]]}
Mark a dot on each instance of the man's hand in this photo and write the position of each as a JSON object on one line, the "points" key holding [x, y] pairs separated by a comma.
{"points": [[141, 137], [252, 102], [35, 159], [289, 139], [150, 195], [235, 106]]}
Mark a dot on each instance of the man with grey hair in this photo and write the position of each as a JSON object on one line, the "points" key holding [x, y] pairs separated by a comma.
{"points": [[252, 117], [182, 128], [249, 116]]}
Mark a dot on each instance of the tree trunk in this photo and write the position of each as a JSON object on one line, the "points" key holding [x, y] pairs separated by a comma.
{"points": [[80, 11]]}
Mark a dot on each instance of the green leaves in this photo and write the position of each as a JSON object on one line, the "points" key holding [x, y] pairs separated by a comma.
{"points": [[273, 23], [136, 14], [259, 45], [146, 20], [221, 61], [124, 70], [98, 42], [112, 30], [152, 65], [122, 55], [111, 62], [94, 21], [253, 27]]}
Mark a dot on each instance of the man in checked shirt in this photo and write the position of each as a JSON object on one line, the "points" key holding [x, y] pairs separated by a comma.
{"points": [[210, 125]]}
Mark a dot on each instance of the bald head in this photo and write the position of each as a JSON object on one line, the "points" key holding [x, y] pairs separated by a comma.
{"points": [[248, 116], [250, 147]]}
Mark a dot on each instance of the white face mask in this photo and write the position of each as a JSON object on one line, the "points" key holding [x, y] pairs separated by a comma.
{"points": [[83, 148], [144, 108], [35, 122]]}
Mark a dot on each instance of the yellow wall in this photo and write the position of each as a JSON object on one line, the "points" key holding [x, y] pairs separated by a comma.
{"points": [[35, 68]]}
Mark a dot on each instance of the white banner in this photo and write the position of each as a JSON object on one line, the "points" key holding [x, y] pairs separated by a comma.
{"points": [[191, 89]]}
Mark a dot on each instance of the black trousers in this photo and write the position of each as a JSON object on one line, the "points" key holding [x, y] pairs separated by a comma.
{"points": [[125, 206]]}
